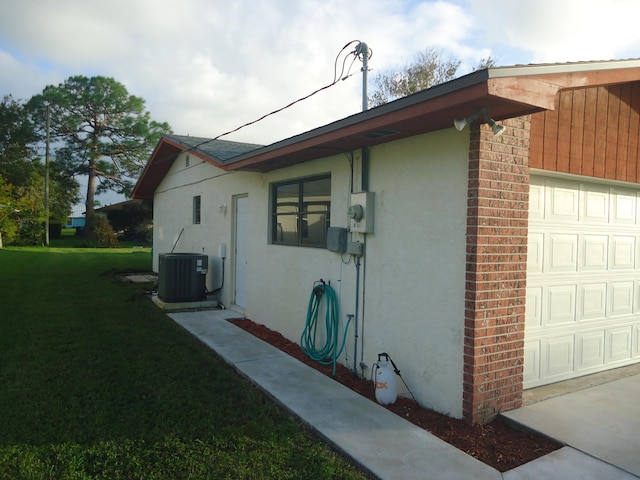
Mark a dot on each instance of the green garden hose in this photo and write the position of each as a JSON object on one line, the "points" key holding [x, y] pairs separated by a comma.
{"points": [[329, 352]]}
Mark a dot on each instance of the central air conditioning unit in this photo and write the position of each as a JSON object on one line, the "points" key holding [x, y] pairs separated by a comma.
{"points": [[182, 277]]}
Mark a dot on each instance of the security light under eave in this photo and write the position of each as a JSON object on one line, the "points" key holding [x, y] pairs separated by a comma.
{"points": [[495, 128], [460, 123]]}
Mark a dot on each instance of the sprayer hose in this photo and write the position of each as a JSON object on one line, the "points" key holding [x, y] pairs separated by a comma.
{"points": [[329, 352]]}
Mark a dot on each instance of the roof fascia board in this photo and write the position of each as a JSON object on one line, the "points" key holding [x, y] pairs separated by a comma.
{"points": [[527, 91], [150, 167], [431, 100], [534, 87], [562, 68]]}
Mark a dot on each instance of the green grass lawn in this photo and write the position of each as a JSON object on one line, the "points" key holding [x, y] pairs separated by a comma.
{"points": [[97, 383]]}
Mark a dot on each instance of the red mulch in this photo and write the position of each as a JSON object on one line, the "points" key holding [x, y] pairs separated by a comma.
{"points": [[497, 444]]}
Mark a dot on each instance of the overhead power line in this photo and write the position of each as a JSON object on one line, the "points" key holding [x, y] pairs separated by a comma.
{"points": [[358, 52]]}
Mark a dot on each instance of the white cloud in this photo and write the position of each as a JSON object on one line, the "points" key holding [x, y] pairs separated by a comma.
{"points": [[562, 31], [209, 66]]}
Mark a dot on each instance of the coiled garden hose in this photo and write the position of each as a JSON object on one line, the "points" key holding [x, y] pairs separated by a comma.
{"points": [[329, 352]]}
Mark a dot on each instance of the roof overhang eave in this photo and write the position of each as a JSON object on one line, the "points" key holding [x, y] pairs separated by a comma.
{"points": [[429, 110]]}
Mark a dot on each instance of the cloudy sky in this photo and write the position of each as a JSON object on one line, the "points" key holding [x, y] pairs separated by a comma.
{"points": [[209, 66]]}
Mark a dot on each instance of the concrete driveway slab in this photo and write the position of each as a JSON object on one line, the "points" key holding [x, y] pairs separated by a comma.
{"points": [[601, 421], [567, 464]]}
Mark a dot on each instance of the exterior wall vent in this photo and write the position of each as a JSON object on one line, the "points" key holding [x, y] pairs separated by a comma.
{"points": [[182, 277]]}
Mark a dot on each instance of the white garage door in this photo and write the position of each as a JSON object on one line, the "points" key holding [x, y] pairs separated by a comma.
{"points": [[583, 279]]}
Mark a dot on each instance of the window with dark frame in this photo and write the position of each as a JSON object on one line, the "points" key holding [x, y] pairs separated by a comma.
{"points": [[301, 211], [196, 209]]}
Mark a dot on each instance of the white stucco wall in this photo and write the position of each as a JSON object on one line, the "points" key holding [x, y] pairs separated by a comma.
{"points": [[279, 294], [173, 208], [415, 270], [414, 281]]}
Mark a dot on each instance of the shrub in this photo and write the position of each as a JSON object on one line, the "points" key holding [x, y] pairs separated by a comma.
{"points": [[98, 230]]}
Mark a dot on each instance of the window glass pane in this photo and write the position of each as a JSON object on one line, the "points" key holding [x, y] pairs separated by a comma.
{"points": [[320, 207], [314, 229], [317, 190], [301, 212], [288, 193], [286, 229], [290, 208], [196, 209]]}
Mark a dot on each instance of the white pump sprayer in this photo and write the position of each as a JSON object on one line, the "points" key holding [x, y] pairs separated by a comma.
{"points": [[384, 381]]}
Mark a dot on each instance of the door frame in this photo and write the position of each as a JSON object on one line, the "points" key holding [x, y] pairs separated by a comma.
{"points": [[235, 244]]}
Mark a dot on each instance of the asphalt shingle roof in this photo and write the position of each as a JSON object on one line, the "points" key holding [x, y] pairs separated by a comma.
{"points": [[222, 150]]}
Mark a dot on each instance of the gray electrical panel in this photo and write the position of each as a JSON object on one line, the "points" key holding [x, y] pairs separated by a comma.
{"points": [[337, 239], [361, 212]]}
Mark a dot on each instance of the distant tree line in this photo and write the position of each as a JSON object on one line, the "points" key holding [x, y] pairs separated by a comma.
{"points": [[97, 130], [102, 133], [429, 67]]}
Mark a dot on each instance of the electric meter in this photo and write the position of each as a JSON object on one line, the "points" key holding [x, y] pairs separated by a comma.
{"points": [[356, 212], [361, 212]]}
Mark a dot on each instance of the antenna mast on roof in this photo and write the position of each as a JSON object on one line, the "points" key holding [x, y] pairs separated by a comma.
{"points": [[363, 51]]}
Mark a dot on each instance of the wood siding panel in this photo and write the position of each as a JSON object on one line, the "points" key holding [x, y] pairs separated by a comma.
{"points": [[593, 132], [565, 110], [589, 132], [601, 132], [576, 123], [550, 152], [622, 167], [633, 172], [611, 126], [537, 137]]}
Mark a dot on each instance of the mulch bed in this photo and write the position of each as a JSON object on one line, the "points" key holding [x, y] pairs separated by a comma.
{"points": [[497, 444]]}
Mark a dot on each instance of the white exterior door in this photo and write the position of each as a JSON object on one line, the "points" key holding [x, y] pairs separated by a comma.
{"points": [[583, 279], [240, 251]]}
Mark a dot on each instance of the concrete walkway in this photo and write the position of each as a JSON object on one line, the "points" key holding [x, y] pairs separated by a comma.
{"points": [[602, 421], [383, 443]]}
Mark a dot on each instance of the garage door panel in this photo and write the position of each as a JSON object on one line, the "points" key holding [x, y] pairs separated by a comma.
{"points": [[590, 350], [561, 305], [533, 315], [620, 298], [635, 341], [595, 253], [623, 206], [562, 253], [563, 205], [535, 253], [583, 280], [596, 206], [559, 356], [536, 202], [619, 344], [531, 370], [623, 252], [593, 301]]}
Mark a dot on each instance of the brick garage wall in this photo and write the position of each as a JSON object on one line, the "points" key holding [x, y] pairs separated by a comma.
{"points": [[497, 222]]}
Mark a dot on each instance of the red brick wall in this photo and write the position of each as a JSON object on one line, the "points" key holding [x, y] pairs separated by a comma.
{"points": [[497, 221]]}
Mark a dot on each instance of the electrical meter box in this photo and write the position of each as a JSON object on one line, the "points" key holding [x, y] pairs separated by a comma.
{"points": [[361, 212]]}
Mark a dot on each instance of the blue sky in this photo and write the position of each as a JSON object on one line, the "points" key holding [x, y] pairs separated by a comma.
{"points": [[208, 66]]}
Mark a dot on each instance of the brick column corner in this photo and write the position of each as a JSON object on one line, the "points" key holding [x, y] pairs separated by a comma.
{"points": [[496, 262]]}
